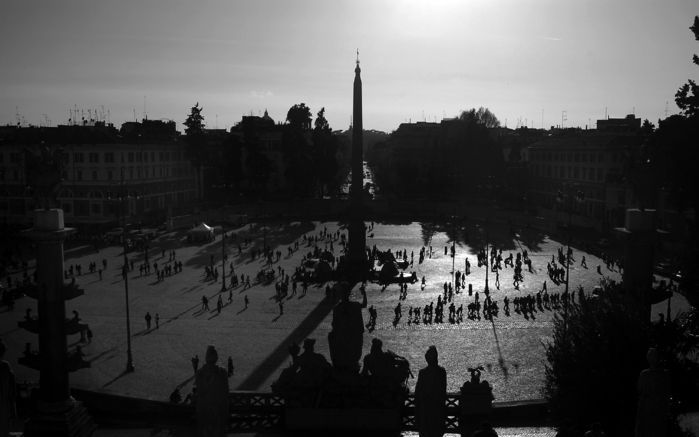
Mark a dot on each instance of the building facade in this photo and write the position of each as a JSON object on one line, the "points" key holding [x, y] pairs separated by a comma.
{"points": [[587, 175], [140, 172]]}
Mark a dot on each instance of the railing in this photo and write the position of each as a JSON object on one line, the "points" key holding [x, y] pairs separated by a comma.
{"points": [[253, 411], [408, 420], [258, 411]]}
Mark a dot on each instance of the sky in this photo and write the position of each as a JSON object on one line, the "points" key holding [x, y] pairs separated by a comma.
{"points": [[531, 62]]}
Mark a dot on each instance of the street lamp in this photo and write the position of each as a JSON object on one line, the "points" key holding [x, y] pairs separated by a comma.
{"points": [[123, 196], [223, 258], [567, 198]]}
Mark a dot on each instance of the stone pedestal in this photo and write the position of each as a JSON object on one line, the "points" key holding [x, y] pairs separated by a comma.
{"points": [[56, 413], [640, 238]]}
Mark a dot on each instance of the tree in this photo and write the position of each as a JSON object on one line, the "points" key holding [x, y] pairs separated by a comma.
{"points": [[687, 97], [297, 150], [481, 116], [194, 137], [299, 116], [647, 128], [321, 124], [595, 357], [194, 124], [324, 154]]}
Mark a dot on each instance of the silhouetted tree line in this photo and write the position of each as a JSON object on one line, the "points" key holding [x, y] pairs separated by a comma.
{"points": [[234, 164], [669, 166], [456, 156]]}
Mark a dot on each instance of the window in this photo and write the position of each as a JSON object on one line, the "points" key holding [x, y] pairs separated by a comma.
{"points": [[139, 157], [584, 173], [575, 172], [152, 156], [577, 157], [79, 175], [145, 157], [599, 173], [130, 172], [96, 209], [130, 156], [110, 175], [94, 157], [14, 157], [109, 157], [139, 172], [94, 175], [78, 157], [1, 156]]}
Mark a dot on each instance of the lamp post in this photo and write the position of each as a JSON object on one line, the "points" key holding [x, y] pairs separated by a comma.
{"points": [[223, 259], [567, 199], [487, 258], [123, 196]]}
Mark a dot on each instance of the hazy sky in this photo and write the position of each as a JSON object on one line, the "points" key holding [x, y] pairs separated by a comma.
{"points": [[420, 59]]}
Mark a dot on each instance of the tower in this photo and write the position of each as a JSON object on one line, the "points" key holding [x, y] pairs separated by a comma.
{"points": [[357, 231]]}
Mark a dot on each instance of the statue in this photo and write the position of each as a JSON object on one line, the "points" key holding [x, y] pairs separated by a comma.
{"points": [[430, 396], [44, 175], [387, 374], [313, 367], [653, 414], [476, 395], [8, 411], [347, 335], [212, 397]]}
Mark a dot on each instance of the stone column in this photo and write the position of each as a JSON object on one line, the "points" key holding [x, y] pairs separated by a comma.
{"points": [[640, 237], [56, 413]]}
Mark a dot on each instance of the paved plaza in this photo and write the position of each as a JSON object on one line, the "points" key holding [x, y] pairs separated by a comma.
{"points": [[511, 349]]}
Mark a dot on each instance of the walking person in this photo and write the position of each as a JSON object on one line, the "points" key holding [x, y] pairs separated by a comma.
{"points": [[157, 321], [148, 319], [195, 363], [230, 366]]}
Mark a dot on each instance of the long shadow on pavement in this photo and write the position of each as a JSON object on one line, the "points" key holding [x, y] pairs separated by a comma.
{"points": [[115, 379], [275, 359]]}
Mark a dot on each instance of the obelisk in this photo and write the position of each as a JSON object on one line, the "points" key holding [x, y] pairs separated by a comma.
{"points": [[357, 231]]}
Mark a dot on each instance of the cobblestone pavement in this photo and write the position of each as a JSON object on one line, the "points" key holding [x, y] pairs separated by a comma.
{"points": [[510, 348]]}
